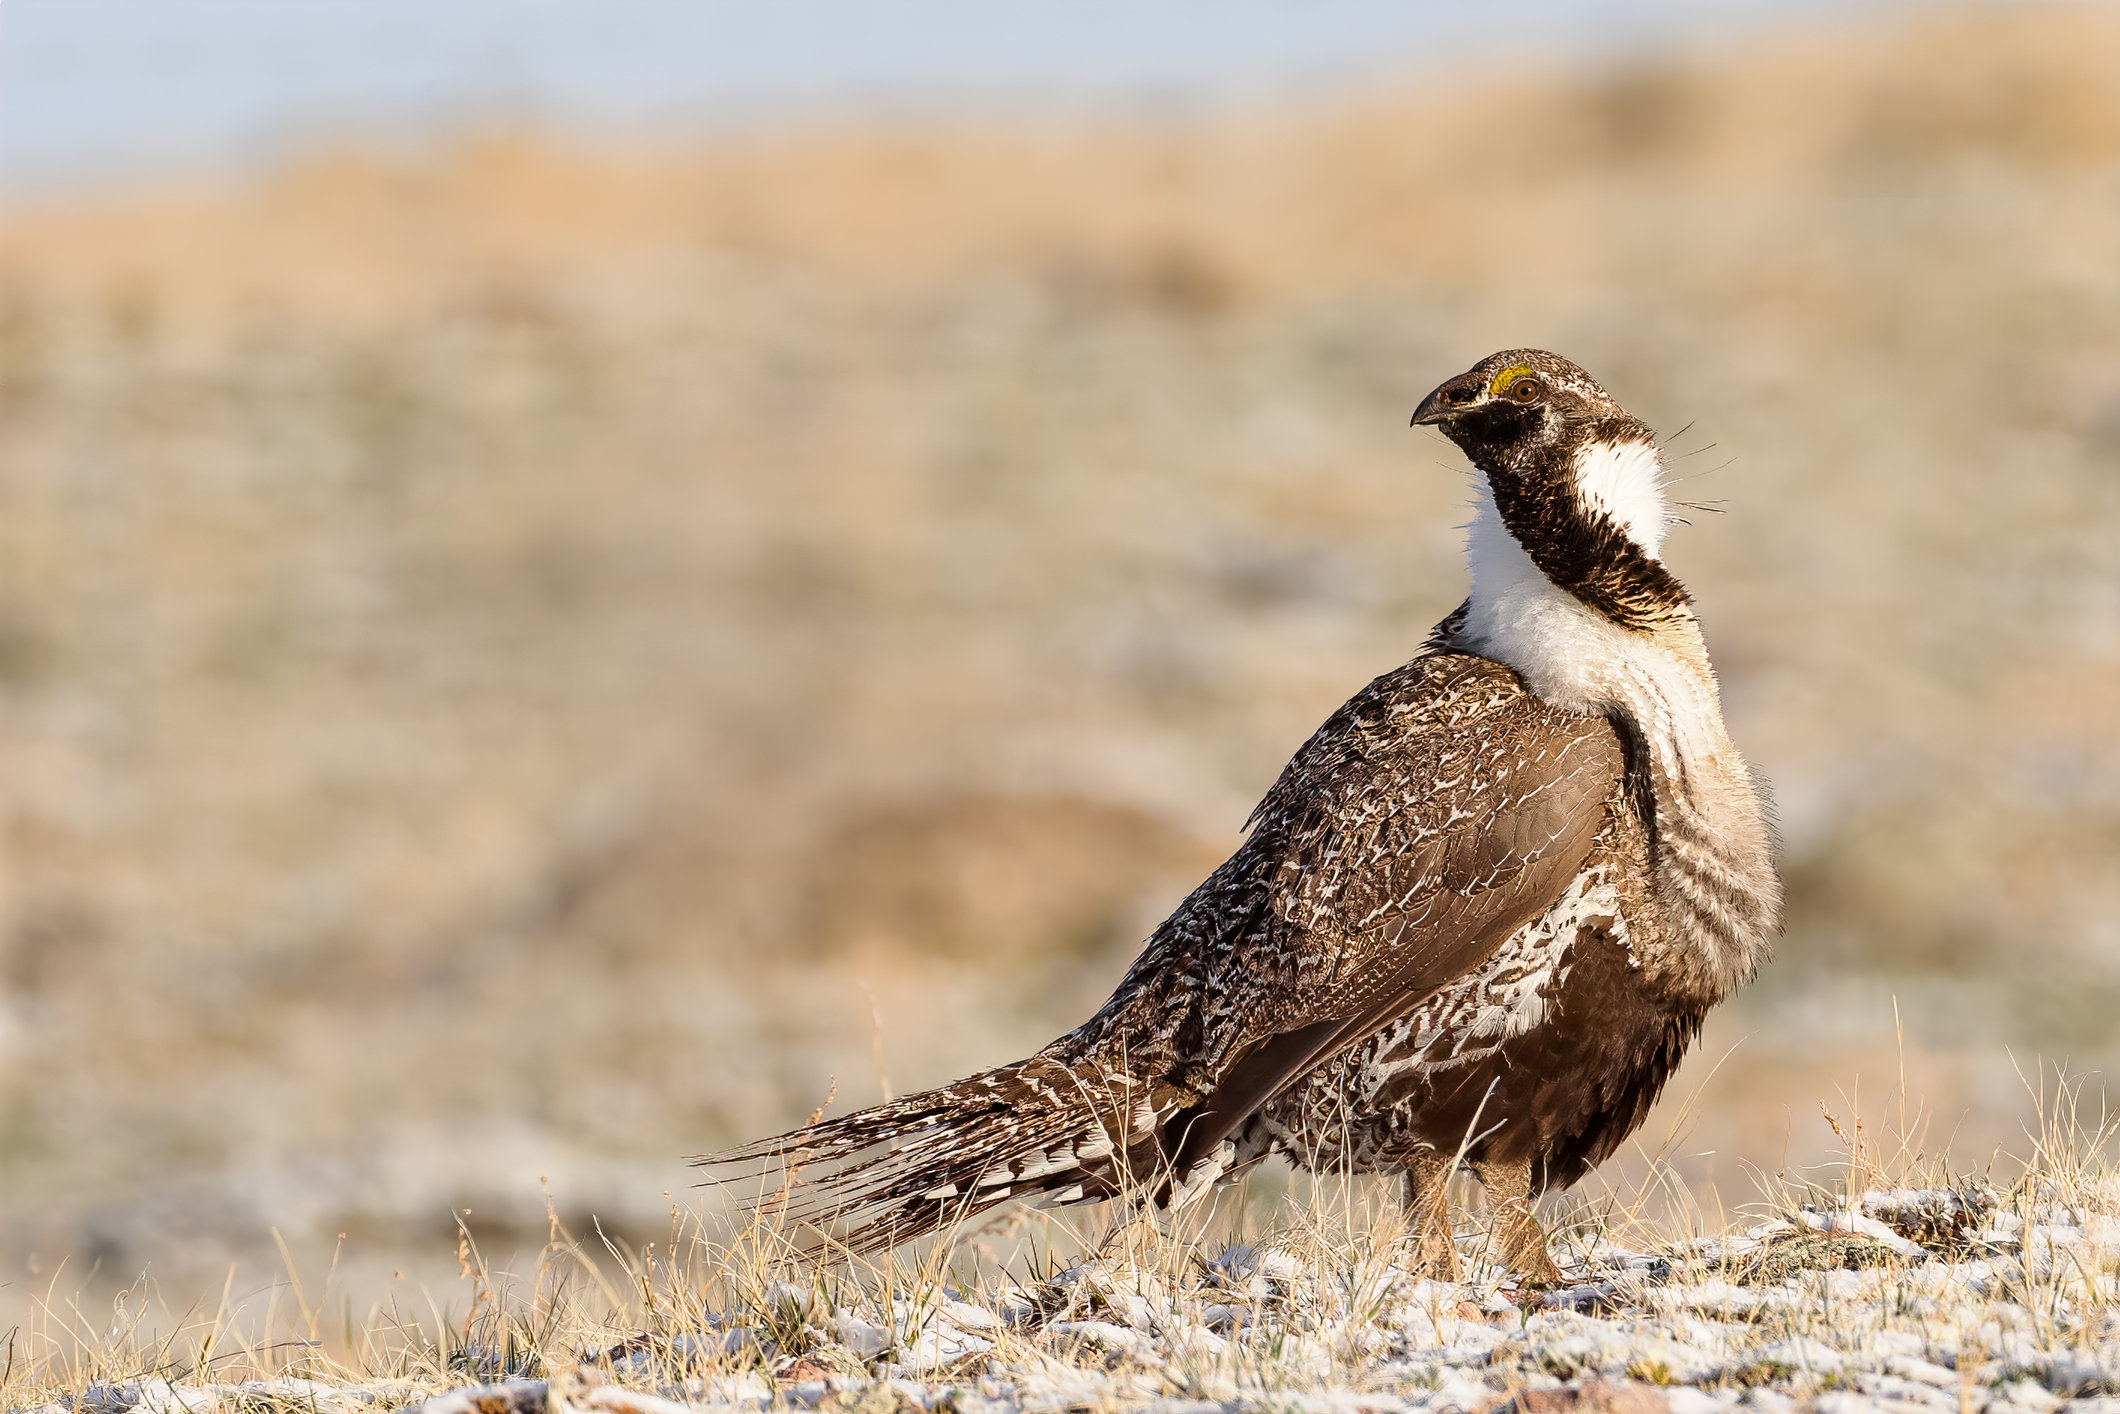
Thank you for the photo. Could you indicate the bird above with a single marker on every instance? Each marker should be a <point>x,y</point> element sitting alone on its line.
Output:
<point>1477,921</point>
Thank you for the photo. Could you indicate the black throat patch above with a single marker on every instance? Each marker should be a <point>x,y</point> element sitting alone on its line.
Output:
<point>1530,467</point>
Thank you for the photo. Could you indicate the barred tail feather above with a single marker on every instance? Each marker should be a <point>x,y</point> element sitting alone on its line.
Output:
<point>909,1167</point>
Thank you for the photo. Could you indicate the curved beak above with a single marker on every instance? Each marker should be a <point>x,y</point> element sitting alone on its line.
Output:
<point>1455,398</point>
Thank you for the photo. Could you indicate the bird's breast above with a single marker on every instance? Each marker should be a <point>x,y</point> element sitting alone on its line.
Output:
<point>1512,993</point>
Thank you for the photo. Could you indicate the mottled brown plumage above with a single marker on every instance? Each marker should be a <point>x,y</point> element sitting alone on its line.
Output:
<point>1485,905</point>
<point>1538,1063</point>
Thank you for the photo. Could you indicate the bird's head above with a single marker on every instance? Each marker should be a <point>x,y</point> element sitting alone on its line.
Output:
<point>1576,480</point>
<point>1509,407</point>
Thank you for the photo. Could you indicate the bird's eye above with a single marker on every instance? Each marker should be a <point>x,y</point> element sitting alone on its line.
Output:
<point>1527,390</point>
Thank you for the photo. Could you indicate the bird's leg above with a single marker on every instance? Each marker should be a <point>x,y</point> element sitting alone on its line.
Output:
<point>1516,1231</point>
<point>1426,1198</point>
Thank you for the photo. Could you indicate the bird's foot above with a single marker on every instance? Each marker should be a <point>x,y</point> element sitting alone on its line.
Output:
<point>1523,1248</point>
<point>1426,1196</point>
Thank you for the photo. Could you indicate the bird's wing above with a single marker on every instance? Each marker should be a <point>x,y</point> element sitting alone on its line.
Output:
<point>1439,812</point>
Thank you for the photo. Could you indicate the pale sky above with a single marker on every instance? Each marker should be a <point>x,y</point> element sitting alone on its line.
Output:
<point>98,89</point>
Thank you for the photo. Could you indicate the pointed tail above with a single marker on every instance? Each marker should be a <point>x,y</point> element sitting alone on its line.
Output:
<point>900,1170</point>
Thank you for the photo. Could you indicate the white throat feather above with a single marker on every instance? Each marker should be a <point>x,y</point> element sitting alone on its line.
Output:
<point>1568,653</point>
<point>1626,482</point>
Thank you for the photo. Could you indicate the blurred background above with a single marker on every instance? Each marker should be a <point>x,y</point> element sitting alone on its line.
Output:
<point>577,578</point>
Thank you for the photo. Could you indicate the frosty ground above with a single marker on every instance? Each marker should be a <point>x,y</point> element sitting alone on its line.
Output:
<point>1964,1298</point>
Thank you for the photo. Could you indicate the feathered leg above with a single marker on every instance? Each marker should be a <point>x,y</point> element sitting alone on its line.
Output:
<point>1516,1231</point>
<point>1426,1200</point>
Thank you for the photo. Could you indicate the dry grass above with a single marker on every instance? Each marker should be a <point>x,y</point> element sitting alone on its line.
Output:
<point>1303,1300</point>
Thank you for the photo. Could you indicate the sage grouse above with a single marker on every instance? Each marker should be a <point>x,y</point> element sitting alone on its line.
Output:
<point>1480,916</point>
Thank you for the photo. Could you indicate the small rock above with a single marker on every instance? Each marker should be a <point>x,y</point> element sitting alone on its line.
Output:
<point>2075,1372</point>
<point>1799,1355</point>
<point>967,1317</point>
<point>105,1398</point>
<point>507,1397</point>
<point>1664,1361</point>
<point>2024,1394</point>
<point>1083,1274</point>
<point>1103,1334</point>
<point>162,1397</point>
<point>824,1363</point>
<point>1909,1367</point>
<point>1684,1399</point>
<point>1594,1397</point>
<point>1825,1251</point>
<point>1578,1354</point>
<point>1195,1340</point>
<point>864,1338</point>
<point>941,1346</point>
<point>1861,1225</point>
<point>1014,1305</point>
<point>611,1399</point>
<point>1933,1217</point>
<point>1907,1392</point>
<point>1261,1273</point>
<point>748,1388</point>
